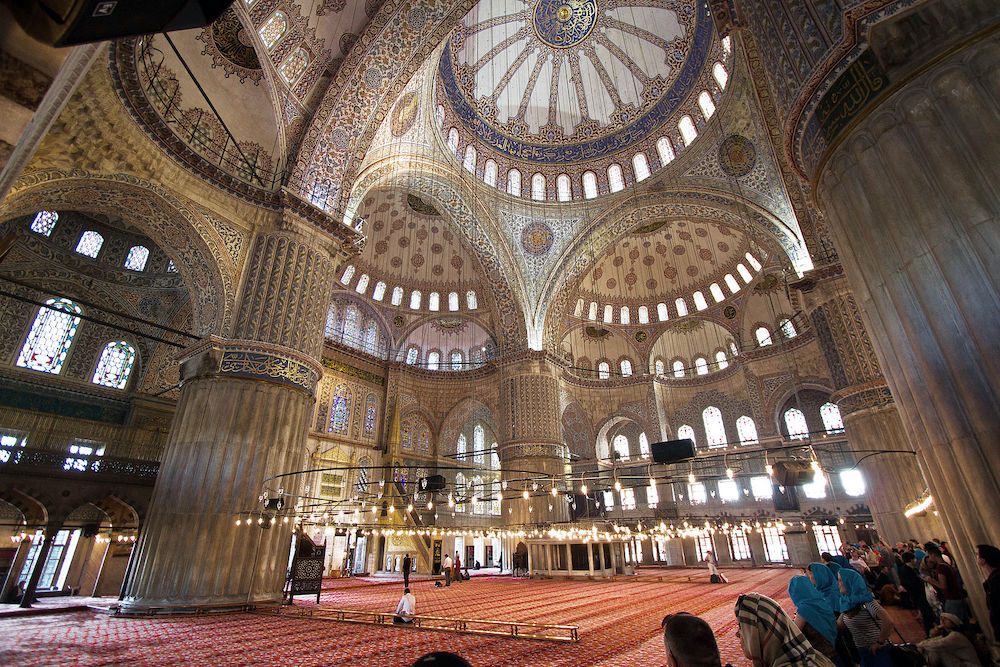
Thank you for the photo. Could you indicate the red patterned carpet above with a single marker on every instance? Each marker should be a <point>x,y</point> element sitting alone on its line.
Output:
<point>619,625</point>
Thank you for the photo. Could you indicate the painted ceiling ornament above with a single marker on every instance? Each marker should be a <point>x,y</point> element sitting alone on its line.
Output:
<point>649,227</point>
<point>231,48</point>
<point>404,114</point>
<point>564,23</point>
<point>737,156</point>
<point>536,238</point>
<point>641,336</point>
<point>595,332</point>
<point>398,321</point>
<point>418,205</point>
<point>689,326</point>
<point>450,325</point>
<point>767,283</point>
<point>729,312</point>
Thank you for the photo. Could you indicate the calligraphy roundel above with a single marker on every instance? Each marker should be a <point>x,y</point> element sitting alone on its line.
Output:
<point>737,155</point>
<point>564,23</point>
<point>403,114</point>
<point>536,239</point>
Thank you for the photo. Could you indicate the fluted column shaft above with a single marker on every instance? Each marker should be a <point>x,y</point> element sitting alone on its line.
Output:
<point>911,197</point>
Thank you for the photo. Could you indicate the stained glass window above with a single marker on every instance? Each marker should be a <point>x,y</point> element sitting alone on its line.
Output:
<point>628,498</point>
<point>415,300</point>
<point>538,187</point>
<point>348,274</point>
<point>136,259</point>
<point>411,355</point>
<point>697,493</point>
<point>379,291</point>
<point>51,334</point>
<point>362,285</point>
<point>686,432</point>
<point>514,182</point>
<point>589,185</point>
<point>84,455</point>
<point>115,365</point>
<point>720,74</point>
<point>453,139</point>
<point>796,423</point>
<point>661,312</point>
<point>171,268</point>
<point>340,413</point>
<point>643,445</point>
<point>746,429</point>
<point>9,443</point>
<point>604,370</point>
<point>626,368</point>
<point>272,29</point>
<point>716,292</point>
<point>331,321</point>
<point>434,361</point>
<point>720,360</point>
<point>479,444</point>
<point>699,300</point>
<point>732,349</point>
<point>433,302</point>
<point>44,222</point>
<point>643,314</point>
<point>361,482</point>
<point>763,337</point>
<point>470,159</point>
<point>352,326</point>
<point>609,314</point>
<point>616,180</point>
<point>679,370</point>
<point>563,191</point>
<point>494,457</point>
<point>397,295</point>
<point>715,431</point>
<point>460,447</point>
<point>665,151</point>
<point>787,328</point>
<point>495,502</point>
<point>688,131</point>
<point>371,411</point>
<point>453,301</point>
<point>658,366</point>
<point>706,104</point>
<point>294,65</point>
<point>592,311</point>
<point>370,335</point>
<point>701,366</point>
<point>470,300</point>
<point>423,437</point>
<point>652,496</point>
<point>456,361</point>
<point>406,434</point>
<point>731,283</point>
<point>625,315</point>
<point>831,418</point>
<point>640,166</point>
<point>490,173</point>
<point>753,261</point>
<point>620,445</point>
<point>681,305</point>
<point>460,491</point>
<point>744,273</point>
<point>90,243</point>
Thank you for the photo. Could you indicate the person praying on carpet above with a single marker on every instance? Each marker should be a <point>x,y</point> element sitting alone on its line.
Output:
<point>689,641</point>
<point>813,615</point>
<point>769,637</point>
<point>948,646</point>
<point>406,609</point>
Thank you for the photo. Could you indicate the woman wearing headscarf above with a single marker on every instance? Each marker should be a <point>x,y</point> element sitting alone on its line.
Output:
<point>770,638</point>
<point>813,615</point>
<point>869,624</point>
<point>824,578</point>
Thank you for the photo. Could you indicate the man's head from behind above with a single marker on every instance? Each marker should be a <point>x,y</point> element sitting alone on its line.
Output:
<point>689,641</point>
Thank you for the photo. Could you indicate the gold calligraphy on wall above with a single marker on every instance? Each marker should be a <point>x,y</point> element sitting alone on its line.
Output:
<point>268,367</point>
<point>850,93</point>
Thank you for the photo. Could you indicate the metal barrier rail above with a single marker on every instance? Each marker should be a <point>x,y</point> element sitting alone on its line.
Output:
<point>518,629</point>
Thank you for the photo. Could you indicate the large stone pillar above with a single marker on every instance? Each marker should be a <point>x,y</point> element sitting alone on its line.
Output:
<point>242,418</point>
<point>532,446</point>
<point>871,420</point>
<point>911,197</point>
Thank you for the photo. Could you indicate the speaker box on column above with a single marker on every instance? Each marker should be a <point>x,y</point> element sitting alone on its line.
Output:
<point>672,451</point>
<point>793,473</point>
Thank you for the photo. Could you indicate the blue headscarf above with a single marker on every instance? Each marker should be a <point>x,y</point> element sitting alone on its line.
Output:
<point>825,580</point>
<point>813,607</point>
<point>835,568</point>
<point>857,591</point>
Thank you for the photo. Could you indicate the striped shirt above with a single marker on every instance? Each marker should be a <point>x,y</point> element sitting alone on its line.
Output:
<point>863,623</point>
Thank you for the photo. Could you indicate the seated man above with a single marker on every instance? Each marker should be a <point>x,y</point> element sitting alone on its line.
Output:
<point>689,641</point>
<point>406,608</point>
<point>948,646</point>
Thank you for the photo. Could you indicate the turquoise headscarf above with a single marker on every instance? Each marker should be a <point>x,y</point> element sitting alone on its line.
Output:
<point>813,607</point>
<point>857,591</point>
<point>825,580</point>
<point>835,568</point>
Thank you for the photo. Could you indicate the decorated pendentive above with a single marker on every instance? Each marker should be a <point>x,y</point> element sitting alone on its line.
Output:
<point>737,156</point>
<point>536,238</point>
<point>404,114</point>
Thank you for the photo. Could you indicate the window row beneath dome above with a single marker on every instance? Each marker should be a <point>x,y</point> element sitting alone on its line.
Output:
<point>90,243</point>
<point>680,305</point>
<point>398,292</point>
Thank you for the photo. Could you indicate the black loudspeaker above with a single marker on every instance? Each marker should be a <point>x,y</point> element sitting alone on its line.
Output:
<point>787,500</point>
<point>672,451</point>
<point>432,483</point>
<point>274,504</point>
<point>91,529</point>
<point>792,473</point>
<point>67,22</point>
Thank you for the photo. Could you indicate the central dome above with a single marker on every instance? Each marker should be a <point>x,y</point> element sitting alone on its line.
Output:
<point>562,24</point>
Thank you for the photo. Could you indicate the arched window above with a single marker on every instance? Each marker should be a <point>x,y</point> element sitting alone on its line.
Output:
<point>495,502</point>
<point>340,412</point>
<point>538,187</point>
<point>625,315</point>
<point>763,337</point>
<point>295,64</point>
<point>715,431</point>
<point>479,444</point>
<point>514,182</point>
<point>640,166</point>
<point>433,301</point>
<point>706,104</point>
<point>362,285</point>
<point>457,363</point>
<point>688,131</point>
<point>744,274</point>
<point>460,491</point>
<point>616,179</point>
<point>137,257</point>
<point>732,349</point>
<point>686,432</point>
<point>371,333</point>
<point>658,366</point>
<point>592,311</point>
<point>44,222</point>
<point>479,506</point>
<point>720,74</point>
<point>361,480</point>
<point>439,115</point>
<point>490,172</point>
<point>589,185</point>
<point>453,301</point>
<point>716,292</point>
<point>731,283</point>
<point>397,296</point>
<point>626,368</point>
<point>643,315</point>
<point>412,354</point>
<point>415,300</point>
<point>643,445</point>
<point>752,261</point>
<point>379,291</point>
<point>661,312</point>
<point>348,274</point>
<point>652,495</point>
<point>699,301</point>
<point>746,429</point>
<point>727,44</point>
<point>433,360</point>
<point>681,306</point>
<point>352,326</point>
<point>564,191</point>
<point>787,328</point>
<point>620,445</point>
<point>470,159</point>
<point>720,360</point>
<point>470,300</point>
<point>853,482</point>
<point>604,370</point>
<point>679,370</point>
<point>796,423</point>
<point>701,365</point>
<point>494,459</point>
<point>115,365</point>
<point>578,310</point>
<point>461,448</point>
<point>665,151</point>
<point>51,335</point>
<point>609,314</point>
<point>331,321</point>
<point>832,421</point>
<point>272,29</point>
<point>90,243</point>
<point>453,140</point>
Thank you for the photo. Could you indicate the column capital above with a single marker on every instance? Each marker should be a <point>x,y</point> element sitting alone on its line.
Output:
<point>318,228</point>
<point>221,357</point>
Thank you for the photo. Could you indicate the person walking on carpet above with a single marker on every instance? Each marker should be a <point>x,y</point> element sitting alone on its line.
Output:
<point>716,577</point>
